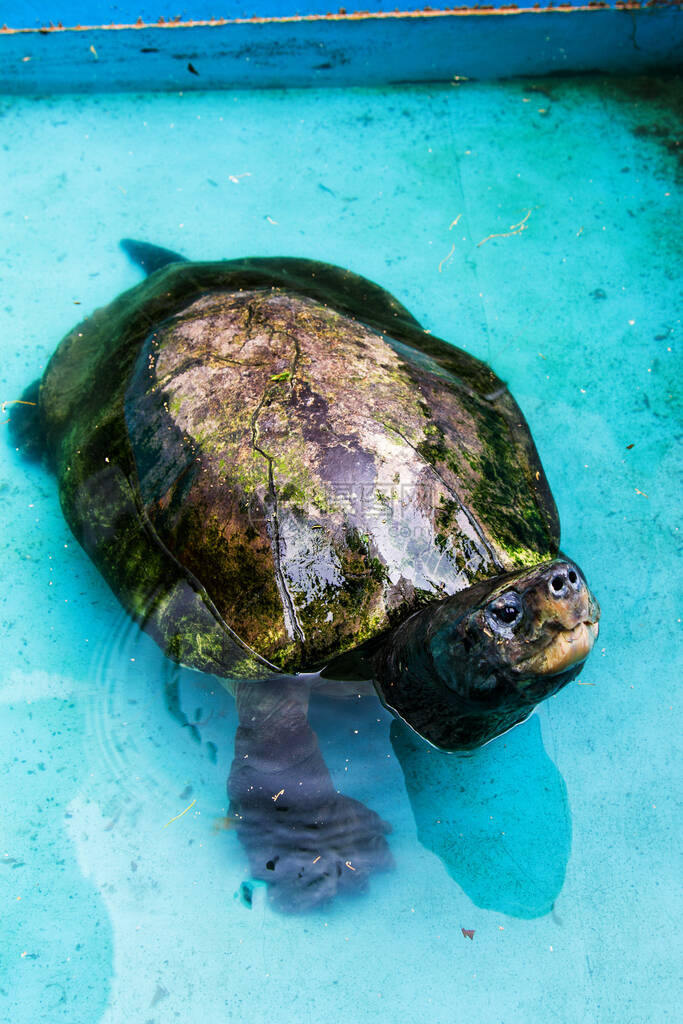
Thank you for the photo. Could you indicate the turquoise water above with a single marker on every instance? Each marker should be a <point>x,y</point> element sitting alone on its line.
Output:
<point>556,844</point>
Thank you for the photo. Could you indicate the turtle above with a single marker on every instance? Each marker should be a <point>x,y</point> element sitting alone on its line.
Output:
<point>292,485</point>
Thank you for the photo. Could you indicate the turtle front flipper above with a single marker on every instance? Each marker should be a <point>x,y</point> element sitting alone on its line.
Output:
<point>301,836</point>
<point>149,257</point>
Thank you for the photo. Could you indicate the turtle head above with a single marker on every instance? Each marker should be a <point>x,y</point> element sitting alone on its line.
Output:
<point>470,667</point>
<point>526,633</point>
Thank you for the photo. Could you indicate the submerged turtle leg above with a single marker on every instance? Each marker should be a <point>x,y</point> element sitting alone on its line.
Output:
<point>26,426</point>
<point>302,836</point>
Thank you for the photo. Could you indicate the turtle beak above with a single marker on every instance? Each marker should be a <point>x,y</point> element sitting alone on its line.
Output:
<point>567,615</point>
<point>569,648</point>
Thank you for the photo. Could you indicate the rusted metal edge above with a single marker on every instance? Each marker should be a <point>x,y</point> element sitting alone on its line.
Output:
<point>428,12</point>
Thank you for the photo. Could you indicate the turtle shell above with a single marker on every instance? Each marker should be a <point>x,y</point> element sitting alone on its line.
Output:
<point>272,462</point>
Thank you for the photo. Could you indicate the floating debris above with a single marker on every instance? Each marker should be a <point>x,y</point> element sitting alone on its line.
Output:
<point>189,807</point>
<point>515,229</point>
<point>446,258</point>
<point>15,401</point>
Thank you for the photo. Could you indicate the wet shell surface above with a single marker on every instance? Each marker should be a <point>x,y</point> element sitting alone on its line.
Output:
<point>316,465</point>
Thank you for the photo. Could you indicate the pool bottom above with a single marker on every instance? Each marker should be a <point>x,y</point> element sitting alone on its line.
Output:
<point>534,223</point>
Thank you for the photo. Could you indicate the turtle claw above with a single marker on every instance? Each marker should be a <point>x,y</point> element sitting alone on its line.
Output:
<point>309,858</point>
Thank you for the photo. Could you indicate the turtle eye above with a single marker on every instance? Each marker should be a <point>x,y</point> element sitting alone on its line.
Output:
<point>505,611</point>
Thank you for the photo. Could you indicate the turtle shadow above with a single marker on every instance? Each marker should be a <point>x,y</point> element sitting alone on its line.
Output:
<point>498,819</point>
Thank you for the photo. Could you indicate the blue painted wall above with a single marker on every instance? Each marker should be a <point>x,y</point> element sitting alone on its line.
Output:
<point>35,13</point>
<point>439,46</point>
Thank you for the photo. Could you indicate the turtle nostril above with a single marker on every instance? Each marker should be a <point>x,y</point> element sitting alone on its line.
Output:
<point>557,583</point>
<point>572,576</point>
